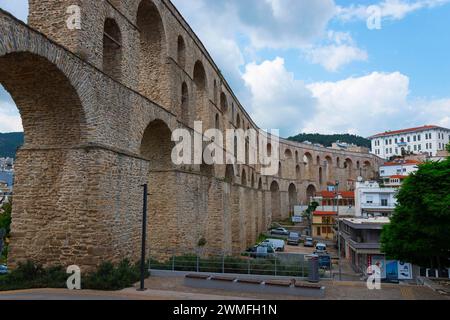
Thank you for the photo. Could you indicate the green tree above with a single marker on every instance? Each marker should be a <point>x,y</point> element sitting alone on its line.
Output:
<point>419,231</point>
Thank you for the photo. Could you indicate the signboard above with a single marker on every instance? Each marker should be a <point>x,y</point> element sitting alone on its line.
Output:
<point>297,219</point>
<point>392,270</point>
<point>404,271</point>
<point>298,210</point>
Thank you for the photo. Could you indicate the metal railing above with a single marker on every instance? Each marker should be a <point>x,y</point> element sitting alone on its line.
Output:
<point>277,265</point>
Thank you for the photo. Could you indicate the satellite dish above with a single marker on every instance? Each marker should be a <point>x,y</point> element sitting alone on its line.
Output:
<point>360,179</point>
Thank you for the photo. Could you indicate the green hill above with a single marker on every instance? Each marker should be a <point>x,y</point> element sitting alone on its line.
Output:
<point>9,143</point>
<point>327,140</point>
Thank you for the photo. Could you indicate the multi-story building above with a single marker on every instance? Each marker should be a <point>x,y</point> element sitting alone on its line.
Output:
<point>422,140</point>
<point>342,202</point>
<point>372,200</point>
<point>349,147</point>
<point>323,223</point>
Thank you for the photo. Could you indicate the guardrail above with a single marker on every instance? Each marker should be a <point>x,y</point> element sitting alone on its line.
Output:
<point>279,264</point>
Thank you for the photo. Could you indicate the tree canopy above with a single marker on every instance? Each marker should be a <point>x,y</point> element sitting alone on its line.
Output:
<point>419,231</point>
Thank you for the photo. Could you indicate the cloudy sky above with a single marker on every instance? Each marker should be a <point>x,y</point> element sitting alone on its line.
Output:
<point>316,66</point>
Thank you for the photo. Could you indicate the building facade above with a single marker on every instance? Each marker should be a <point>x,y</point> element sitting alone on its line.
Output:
<point>323,223</point>
<point>427,140</point>
<point>372,200</point>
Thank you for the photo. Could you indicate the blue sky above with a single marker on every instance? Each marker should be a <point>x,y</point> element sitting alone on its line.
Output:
<point>315,66</point>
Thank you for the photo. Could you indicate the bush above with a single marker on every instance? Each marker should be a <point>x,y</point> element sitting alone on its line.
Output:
<point>32,276</point>
<point>107,277</point>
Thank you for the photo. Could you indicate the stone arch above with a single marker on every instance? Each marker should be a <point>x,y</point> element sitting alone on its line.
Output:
<point>181,52</point>
<point>260,184</point>
<point>367,170</point>
<point>310,192</point>
<point>348,165</point>
<point>338,162</point>
<point>280,169</point>
<point>112,49</point>
<point>238,121</point>
<point>152,53</point>
<point>269,150</point>
<point>329,168</point>
<point>288,154</point>
<point>275,201</point>
<point>217,121</point>
<point>185,112</point>
<point>48,170</point>
<point>223,103</point>
<point>296,156</point>
<point>244,178</point>
<point>253,180</point>
<point>50,107</point>
<point>229,173</point>
<point>320,176</point>
<point>293,198</point>
<point>157,145</point>
<point>318,161</point>
<point>200,90</point>
<point>308,161</point>
<point>298,173</point>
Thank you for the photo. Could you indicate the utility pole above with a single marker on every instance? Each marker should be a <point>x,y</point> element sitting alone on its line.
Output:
<point>144,238</point>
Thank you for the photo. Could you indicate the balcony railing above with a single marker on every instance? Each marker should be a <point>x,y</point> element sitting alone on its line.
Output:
<point>378,205</point>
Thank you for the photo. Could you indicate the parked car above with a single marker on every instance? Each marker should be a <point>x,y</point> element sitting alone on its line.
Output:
<point>293,239</point>
<point>280,231</point>
<point>262,250</point>
<point>277,244</point>
<point>309,242</point>
<point>3,269</point>
<point>321,248</point>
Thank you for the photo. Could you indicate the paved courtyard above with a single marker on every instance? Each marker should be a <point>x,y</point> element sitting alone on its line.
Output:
<point>162,288</point>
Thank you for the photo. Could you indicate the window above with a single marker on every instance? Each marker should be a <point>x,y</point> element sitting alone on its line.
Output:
<point>419,137</point>
<point>415,138</point>
<point>409,139</point>
<point>384,202</point>
<point>369,199</point>
<point>382,171</point>
<point>419,147</point>
<point>396,140</point>
<point>415,148</point>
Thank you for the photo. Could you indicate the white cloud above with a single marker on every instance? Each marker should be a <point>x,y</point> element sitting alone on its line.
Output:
<point>390,9</point>
<point>279,101</point>
<point>10,120</point>
<point>341,51</point>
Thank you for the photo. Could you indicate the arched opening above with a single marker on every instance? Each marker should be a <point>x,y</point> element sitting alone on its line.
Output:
<point>229,174</point>
<point>152,73</point>
<point>338,162</point>
<point>293,201</point>
<point>200,89</point>
<point>280,170</point>
<point>260,185</point>
<point>298,173</point>
<point>223,103</point>
<point>247,152</point>
<point>244,178</point>
<point>329,168</point>
<point>308,161</point>
<point>288,154</point>
<point>320,176</point>
<point>296,156</point>
<point>238,121</point>
<point>253,180</point>
<point>367,170</point>
<point>215,92</point>
<point>157,146</point>
<point>269,150</point>
<point>112,50</point>
<point>310,192</point>
<point>185,114</point>
<point>349,166</point>
<point>217,121</point>
<point>318,161</point>
<point>181,52</point>
<point>275,201</point>
<point>49,167</point>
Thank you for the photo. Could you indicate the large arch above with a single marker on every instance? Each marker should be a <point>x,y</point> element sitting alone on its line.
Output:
<point>152,53</point>
<point>329,175</point>
<point>275,201</point>
<point>50,168</point>
<point>293,198</point>
<point>310,192</point>
<point>309,165</point>
<point>201,96</point>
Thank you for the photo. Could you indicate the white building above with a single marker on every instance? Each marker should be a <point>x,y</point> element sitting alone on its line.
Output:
<point>427,140</point>
<point>398,167</point>
<point>371,200</point>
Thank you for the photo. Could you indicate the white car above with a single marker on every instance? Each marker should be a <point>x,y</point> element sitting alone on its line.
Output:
<point>277,244</point>
<point>321,248</point>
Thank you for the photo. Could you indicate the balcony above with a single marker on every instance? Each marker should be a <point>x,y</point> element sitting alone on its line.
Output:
<point>378,205</point>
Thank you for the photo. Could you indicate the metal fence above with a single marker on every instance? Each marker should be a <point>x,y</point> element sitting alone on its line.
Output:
<point>279,264</point>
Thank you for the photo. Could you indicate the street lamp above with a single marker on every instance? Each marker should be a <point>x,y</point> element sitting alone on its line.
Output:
<point>338,229</point>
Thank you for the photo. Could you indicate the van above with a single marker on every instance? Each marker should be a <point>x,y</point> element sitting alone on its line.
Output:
<point>277,244</point>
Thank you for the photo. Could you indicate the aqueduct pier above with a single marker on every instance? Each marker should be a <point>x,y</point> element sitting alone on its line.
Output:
<point>98,106</point>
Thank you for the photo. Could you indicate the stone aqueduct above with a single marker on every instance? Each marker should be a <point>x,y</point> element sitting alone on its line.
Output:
<point>98,106</point>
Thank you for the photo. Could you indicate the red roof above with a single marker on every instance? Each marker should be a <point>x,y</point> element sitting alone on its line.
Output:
<point>332,195</point>
<point>402,163</point>
<point>325,213</point>
<point>398,177</point>
<point>391,133</point>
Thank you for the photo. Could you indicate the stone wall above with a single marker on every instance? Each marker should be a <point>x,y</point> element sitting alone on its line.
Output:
<point>93,137</point>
